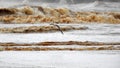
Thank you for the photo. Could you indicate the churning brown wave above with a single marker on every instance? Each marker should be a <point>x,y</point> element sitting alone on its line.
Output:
<point>45,46</point>
<point>38,14</point>
<point>39,29</point>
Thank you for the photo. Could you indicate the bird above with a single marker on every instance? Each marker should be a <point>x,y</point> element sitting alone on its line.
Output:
<point>57,27</point>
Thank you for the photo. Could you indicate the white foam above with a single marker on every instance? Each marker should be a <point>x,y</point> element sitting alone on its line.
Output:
<point>60,59</point>
<point>93,6</point>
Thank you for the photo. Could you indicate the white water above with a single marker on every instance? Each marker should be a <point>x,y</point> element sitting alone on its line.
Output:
<point>25,2</point>
<point>96,32</point>
<point>63,59</point>
<point>63,2</point>
<point>60,59</point>
<point>92,6</point>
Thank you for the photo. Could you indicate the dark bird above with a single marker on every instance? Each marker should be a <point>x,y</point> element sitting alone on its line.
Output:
<point>57,27</point>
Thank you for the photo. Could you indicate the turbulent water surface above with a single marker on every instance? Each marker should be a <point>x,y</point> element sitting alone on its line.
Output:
<point>58,59</point>
<point>96,32</point>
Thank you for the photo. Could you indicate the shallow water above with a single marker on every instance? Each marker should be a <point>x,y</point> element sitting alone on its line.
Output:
<point>60,59</point>
<point>95,33</point>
